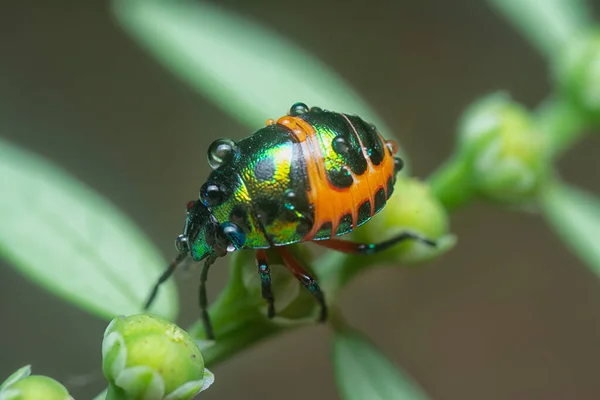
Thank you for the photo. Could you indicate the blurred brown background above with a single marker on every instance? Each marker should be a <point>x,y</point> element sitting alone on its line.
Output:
<point>508,314</point>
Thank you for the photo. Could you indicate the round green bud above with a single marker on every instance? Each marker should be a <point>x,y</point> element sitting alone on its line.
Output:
<point>577,73</point>
<point>412,208</point>
<point>23,386</point>
<point>146,357</point>
<point>505,151</point>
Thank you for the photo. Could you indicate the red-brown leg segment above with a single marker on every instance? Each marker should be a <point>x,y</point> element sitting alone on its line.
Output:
<point>308,281</point>
<point>265,278</point>
<point>364,248</point>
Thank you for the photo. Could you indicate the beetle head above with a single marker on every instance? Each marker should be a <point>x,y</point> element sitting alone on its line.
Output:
<point>202,236</point>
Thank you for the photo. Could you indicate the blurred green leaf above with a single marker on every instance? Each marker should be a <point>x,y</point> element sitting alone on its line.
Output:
<point>21,373</point>
<point>363,372</point>
<point>70,240</point>
<point>548,24</point>
<point>575,217</point>
<point>250,72</point>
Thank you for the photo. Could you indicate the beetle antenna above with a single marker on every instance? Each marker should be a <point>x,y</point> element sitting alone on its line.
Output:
<point>165,275</point>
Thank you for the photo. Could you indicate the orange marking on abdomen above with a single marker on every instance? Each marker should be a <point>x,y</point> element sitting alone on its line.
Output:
<point>298,126</point>
<point>331,203</point>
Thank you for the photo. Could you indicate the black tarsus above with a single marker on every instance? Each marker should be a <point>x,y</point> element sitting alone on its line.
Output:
<point>307,281</point>
<point>264,273</point>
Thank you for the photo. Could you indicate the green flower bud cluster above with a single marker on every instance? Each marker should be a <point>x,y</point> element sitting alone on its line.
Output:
<point>503,149</point>
<point>23,386</point>
<point>148,358</point>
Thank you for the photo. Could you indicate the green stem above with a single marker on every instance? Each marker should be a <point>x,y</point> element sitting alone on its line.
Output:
<point>451,183</point>
<point>238,319</point>
<point>562,123</point>
<point>245,333</point>
<point>237,323</point>
<point>548,24</point>
<point>115,393</point>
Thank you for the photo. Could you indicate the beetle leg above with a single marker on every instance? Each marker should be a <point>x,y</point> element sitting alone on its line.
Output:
<point>265,278</point>
<point>346,246</point>
<point>203,300</point>
<point>164,277</point>
<point>304,277</point>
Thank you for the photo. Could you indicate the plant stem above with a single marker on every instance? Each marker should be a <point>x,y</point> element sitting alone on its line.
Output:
<point>451,183</point>
<point>562,123</point>
<point>548,24</point>
<point>115,393</point>
<point>246,333</point>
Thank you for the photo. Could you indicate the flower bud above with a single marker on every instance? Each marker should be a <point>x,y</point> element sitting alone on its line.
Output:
<point>577,73</point>
<point>23,386</point>
<point>412,208</point>
<point>505,151</point>
<point>146,357</point>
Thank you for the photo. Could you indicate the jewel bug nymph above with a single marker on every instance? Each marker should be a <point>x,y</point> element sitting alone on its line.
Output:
<point>312,175</point>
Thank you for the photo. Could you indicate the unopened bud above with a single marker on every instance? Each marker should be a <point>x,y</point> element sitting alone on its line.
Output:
<point>23,386</point>
<point>146,357</point>
<point>505,151</point>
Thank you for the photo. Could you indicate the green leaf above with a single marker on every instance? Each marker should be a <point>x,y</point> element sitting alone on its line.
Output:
<point>363,372</point>
<point>21,373</point>
<point>68,239</point>
<point>548,24</point>
<point>250,72</point>
<point>575,217</point>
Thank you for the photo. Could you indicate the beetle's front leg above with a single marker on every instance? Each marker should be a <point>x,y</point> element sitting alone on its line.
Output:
<point>264,272</point>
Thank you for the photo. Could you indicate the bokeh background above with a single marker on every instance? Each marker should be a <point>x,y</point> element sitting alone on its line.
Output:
<point>507,314</point>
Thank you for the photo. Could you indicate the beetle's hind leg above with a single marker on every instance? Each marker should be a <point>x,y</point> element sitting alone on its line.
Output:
<point>346,246</point>
<point>304,277</point>
<point>264,272</point>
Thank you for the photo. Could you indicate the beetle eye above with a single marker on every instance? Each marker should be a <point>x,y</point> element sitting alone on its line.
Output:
<point>181,243</point>
<point>190,204</point>
<point>220,152</point>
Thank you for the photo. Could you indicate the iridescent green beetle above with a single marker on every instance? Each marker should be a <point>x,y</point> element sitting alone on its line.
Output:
<point>312,175</point>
